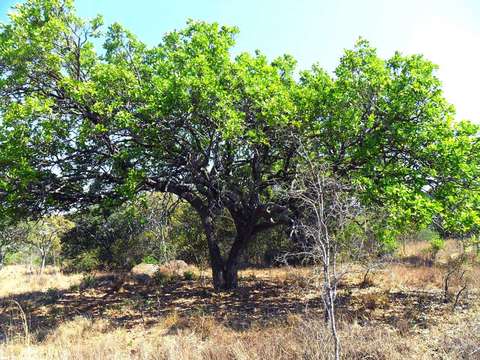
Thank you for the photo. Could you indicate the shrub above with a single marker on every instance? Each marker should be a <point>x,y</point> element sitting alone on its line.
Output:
<point>189,275</point>
<point>149,259</point>
<point>51,296</point>
<point>74,288</point>
<point>15,258</point>
<point>427,235</point>
<point>436,244</point>
<point>87,261</point>
<point>88,281</point>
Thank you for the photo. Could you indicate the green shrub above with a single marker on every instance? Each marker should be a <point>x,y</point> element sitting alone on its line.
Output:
<point>74,288</point>
<point>15,258</point>
<point>51,296</point>
<point>189,275</point>
<point>436,244</point>
<point>87,261</point>
<point>427,235</point>
<point>149,259</point>
<point>88,281</point>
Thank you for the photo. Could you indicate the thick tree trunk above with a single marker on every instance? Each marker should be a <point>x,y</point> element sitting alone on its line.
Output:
<point>216,260</point>
<point>225,277</point>
<point>232,263</point>
<point>225,271</point>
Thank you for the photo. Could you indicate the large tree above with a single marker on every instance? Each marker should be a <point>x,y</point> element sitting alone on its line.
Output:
<point>182,117</point>
<point>84,126</point>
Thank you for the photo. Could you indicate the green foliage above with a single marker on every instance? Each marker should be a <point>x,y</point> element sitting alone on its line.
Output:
<point>149,259</point>
<point>436,244</point>
<point>87,261</point>
<point>11,239</point>
<point>75,288</point>
<point>51,296</point>
<point>44,236</point>
<point>79,128</point>
<point>189,275</point>
<point>427,235</point>
<point>385,125</point>
<point>88,281</point>
<point>14,258</point>
<point>137,232</point>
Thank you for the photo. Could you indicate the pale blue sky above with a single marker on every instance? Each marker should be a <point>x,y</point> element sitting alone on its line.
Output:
<point>446,31</point>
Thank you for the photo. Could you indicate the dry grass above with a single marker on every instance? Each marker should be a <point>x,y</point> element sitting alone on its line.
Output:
<point>204,338</point>
<point>276,315</point>
<point>17,279</point>
<point>400,276</point>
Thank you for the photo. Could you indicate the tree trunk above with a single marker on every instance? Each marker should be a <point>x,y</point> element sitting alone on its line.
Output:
<point>224,277</point>
<point>216,260</point>
<point>231,275</point>
<point>224,273</point>
<point>232,265</point>
<point>44,259</point>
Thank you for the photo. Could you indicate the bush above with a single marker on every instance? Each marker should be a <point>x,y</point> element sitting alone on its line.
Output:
<point>15,258</point>
<point>436,244</point>
<point>160,278</point>
<point>88,281</point>
<point>427,235</point>
<point>149,259</point>
<point>84,262</point>
<point>189,275</point>
<point>51,296</point>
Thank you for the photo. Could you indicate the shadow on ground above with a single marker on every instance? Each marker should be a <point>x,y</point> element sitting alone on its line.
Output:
<point>258,301</point>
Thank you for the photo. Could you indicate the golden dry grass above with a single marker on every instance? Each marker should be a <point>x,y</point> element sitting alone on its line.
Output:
<point>18,279</point>
<point>276,315</point>
<point>204,338</point>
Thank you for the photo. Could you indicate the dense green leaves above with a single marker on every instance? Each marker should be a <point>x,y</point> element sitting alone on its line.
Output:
<point>84,125</point>
<point>386,125</point>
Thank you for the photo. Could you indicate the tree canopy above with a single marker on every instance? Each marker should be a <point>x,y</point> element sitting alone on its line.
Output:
<point>82,125</point>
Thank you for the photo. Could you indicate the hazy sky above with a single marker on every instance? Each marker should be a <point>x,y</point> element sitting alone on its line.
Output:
<point>445,31</point>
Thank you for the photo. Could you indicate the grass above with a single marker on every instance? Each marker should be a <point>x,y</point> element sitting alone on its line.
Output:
<point>276,314</point>
<point>17,279</point>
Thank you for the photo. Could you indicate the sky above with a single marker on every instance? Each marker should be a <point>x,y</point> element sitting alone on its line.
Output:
<point>447,32</point>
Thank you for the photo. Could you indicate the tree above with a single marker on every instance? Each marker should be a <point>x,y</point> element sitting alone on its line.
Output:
<point>44,236</point>
<point>386,125</point>
<point>10,238</point>
<point>81,127</point>
<point>328,206</point>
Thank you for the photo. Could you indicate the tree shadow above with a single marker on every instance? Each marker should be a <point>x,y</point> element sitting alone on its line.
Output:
<point>258,301</point>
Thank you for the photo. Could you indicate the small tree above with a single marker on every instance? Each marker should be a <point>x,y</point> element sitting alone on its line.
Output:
<point>157,211</point>
<point>455,273</point>
<point>327,206</point>
<point>10,237</point>
<point>44,236</point>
